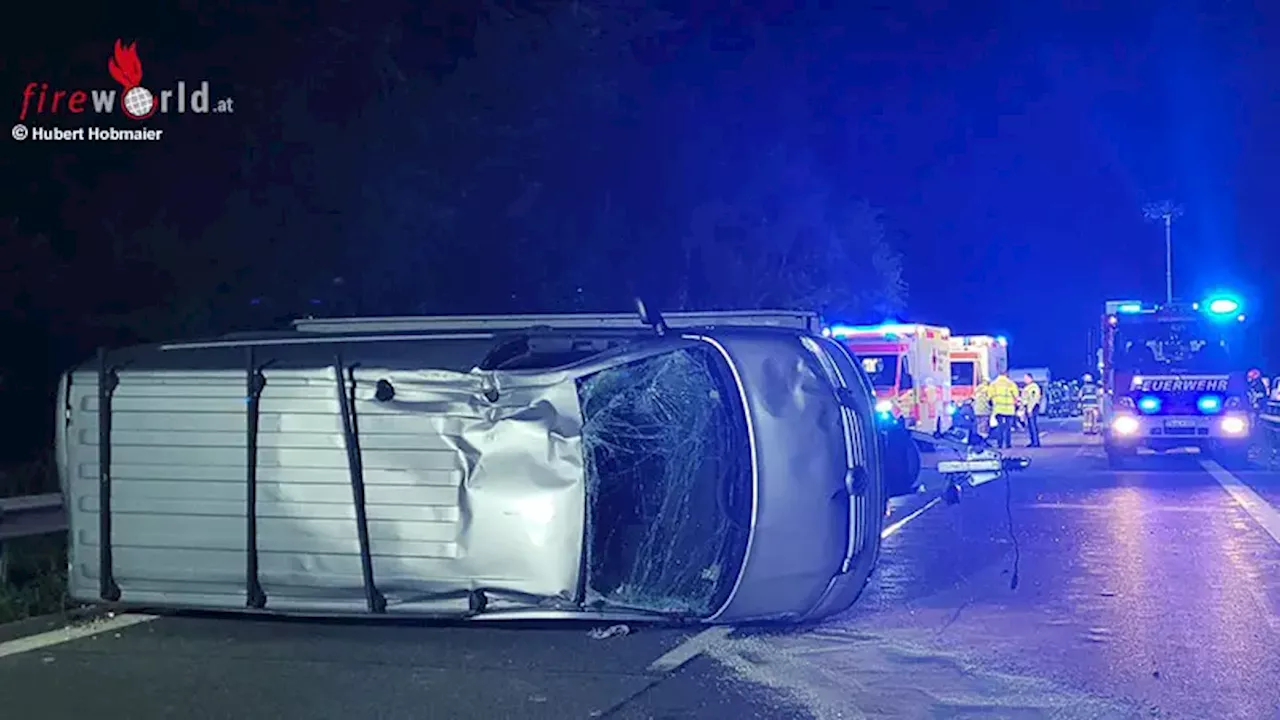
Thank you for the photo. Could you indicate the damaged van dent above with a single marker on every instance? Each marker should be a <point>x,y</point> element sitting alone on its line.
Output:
<point>725,470</point>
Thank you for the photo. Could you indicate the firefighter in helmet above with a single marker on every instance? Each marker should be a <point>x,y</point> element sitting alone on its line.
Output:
<point>1089,403</point>
<point>1257,389</point>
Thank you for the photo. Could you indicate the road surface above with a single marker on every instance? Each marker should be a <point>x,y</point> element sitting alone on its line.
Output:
<point>1151,592</point>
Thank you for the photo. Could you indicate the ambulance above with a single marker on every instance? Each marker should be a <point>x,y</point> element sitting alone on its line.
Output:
<point>910,367</point>
<point>975,359</point>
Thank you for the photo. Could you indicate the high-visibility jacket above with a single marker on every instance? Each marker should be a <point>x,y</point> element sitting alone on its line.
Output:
<point>1031,396</point>
<point>982,399</point>
<point>1004,396</point>
<point>1089,395</point>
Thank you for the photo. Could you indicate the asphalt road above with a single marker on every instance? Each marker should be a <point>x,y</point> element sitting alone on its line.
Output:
<point>1151,592</point>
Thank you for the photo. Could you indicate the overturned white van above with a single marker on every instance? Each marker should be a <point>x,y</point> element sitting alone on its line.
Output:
<point>725,468</point>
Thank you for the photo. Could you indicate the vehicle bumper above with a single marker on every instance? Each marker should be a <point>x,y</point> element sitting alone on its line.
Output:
<point>1168,433</point>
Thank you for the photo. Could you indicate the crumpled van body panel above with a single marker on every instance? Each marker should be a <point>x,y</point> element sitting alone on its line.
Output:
<point>461,492</point>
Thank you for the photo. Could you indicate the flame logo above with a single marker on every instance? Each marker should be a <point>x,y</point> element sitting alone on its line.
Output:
<point>125,66</point>
<point>136,101</point>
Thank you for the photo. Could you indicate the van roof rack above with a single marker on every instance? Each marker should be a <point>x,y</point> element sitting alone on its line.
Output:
<point>800,320</point>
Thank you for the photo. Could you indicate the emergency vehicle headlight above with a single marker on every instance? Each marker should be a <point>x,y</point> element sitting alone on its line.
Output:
<point>1149,404</point>
<point>884,406</point>
<point>1209,404</point>
<point>1234,425</point>
<point>1125,425</point>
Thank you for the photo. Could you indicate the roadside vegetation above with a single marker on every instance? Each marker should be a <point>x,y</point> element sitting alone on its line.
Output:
<point>34,578</point>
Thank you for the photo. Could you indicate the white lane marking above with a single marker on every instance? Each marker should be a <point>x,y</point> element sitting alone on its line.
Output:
<point>896,526</point>
<point>1260,510</point>
<point>1262,513</point>
<point>676,657</point>
<point>71,632</point>
<point>1101,507</point>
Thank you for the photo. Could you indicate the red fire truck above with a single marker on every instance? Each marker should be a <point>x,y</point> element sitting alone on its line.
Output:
<point>1173,377</point>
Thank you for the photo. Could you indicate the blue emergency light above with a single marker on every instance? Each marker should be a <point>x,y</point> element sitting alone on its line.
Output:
<point>1149,404</point>
<point>1209,404</point>
<point>1223,306</point>
<point>1129,308</point>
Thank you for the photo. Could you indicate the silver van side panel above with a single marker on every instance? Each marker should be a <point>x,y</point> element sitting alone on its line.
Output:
<point>463,491</point>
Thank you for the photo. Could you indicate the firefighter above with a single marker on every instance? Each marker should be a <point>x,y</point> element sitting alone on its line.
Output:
<point>982,407</point>
<point>1089,404</point>
<point>1257,389</point>
<point>1031,395</point>
<point>1004,407</point>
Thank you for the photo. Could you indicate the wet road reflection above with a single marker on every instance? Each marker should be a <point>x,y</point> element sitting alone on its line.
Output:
<point>1144,593</point>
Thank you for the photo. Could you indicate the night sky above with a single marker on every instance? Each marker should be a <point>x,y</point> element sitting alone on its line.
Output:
<point>1011,146</point>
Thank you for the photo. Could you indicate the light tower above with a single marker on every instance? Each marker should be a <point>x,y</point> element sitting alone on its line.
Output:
<point>1165,212</point>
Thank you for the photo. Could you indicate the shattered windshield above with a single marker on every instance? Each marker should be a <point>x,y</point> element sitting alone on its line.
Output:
<point>1158,347</point>
<point>881,369</point>
<point>669,480</point>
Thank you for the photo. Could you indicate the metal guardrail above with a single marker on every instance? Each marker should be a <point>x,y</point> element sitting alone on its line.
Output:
<point>31,515</point>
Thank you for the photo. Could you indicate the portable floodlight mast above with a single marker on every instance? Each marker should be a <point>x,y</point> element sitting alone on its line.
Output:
<point>1165,212</point>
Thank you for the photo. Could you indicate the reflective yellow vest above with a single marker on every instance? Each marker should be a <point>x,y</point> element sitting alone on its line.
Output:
<point>1004,396</point>
<point>982,399</point>
<point>1031,396</point>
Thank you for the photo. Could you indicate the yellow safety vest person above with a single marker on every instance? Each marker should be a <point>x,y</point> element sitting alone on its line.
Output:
<point>1004,396</point>
<point>982,399</point>
<point>1031,396</point>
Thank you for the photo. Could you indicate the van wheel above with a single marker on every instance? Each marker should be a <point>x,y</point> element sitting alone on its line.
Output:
<point>902,463</point>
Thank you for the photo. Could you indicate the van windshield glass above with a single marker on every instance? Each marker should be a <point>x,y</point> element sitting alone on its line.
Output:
<point>881,369</point>
<point>668,468</point>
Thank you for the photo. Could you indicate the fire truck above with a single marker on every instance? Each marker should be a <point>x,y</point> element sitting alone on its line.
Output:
<point>910,367</point>
<point>1173,377</point>
<point>975,359</point>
